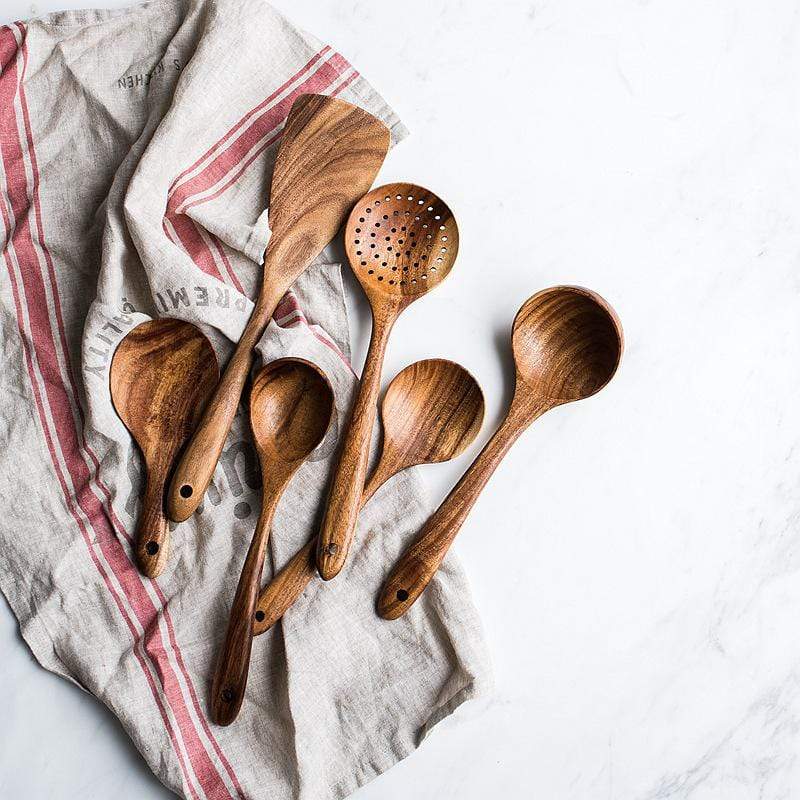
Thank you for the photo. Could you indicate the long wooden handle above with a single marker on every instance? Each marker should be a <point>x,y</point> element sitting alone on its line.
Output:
<point>283,591</point>
<point>230,678</point>
<point>344,499</point>
<point>152,533</point>
<point>419,563</point>
<point>196,466</point>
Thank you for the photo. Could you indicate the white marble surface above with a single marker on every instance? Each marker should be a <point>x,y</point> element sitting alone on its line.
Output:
<point>635,558</point>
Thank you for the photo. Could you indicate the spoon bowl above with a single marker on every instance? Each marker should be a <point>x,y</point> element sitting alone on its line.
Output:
<point>291,405</point>
<point>401,241</point>
<point>567,343</point>
<point>431,412</point>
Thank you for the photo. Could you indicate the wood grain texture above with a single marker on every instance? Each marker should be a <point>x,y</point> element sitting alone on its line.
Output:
<point>567,344</point>
<point>431,412</point>
<point>329,155</point>
<point>291,406</point>
<point>161,375</point>
<point>401,241</point>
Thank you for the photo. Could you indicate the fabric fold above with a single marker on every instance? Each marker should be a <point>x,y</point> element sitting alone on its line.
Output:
<point>136,149</point>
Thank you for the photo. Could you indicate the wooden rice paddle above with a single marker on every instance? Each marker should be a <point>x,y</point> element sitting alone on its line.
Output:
<point>432,412</point>
<point>401,241</point>
<point>329,155</point>
<point>290,409</point>
<point>162,373</point>
<point>567,344</point>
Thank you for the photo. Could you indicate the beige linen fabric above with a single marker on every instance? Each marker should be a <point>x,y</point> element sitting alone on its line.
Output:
<point>135,153</point>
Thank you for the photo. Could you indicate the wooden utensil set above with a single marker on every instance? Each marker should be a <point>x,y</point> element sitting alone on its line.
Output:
<point>401,241</point>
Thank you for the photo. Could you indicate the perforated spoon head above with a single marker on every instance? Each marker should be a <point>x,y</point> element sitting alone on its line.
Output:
<point>431,412</point>
<point>291,405</point>
<point>401,241</point>
<point>567,344</point>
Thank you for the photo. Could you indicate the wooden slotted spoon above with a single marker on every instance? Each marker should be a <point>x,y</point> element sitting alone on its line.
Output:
<point>290,410</point>
<point>329,155</point>
<point>401,241</point>
<point>432,411</point>
<point>161,375</point>
<point>567,344</point>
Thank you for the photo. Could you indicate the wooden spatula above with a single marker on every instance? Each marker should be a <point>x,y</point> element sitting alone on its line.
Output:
<point>330,153</point>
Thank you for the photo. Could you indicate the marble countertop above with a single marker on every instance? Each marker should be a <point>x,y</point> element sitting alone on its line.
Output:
<point>634,558</point>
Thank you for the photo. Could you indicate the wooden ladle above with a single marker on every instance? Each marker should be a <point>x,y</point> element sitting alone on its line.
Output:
<point>567,344</point>
<point>291,405</point>
<point>432,411</point>
<point>161,375</point>
<point>401,241</point>
<point>329,155</point>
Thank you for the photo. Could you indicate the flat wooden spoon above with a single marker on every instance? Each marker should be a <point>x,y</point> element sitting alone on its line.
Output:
<point>401,241</point>
<point>329,155</point>
<point>161,375</point>
<point>291,405</point>
<point>432,411</point>
<point>567,344</point>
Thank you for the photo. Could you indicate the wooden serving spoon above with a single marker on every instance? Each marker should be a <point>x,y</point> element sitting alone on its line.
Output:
<point>291,405</point>
<point>329,155</point>
<point>161,375</point>
<point>432,411</point>
<point>567,344</point>
<point>401,241</point>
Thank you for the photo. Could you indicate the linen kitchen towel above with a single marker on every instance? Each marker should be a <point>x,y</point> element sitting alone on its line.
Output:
<point>135,156</point>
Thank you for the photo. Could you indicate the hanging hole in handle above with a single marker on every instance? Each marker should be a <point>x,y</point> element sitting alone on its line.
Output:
<point>186,490</point>
<point>260,615</point>
<point>228,695</point>
<point>402,595</point>
<point>151,548</point>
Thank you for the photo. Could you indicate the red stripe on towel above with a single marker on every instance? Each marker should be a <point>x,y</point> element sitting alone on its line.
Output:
<point>262,132</point>
<point>249,115</point>
<point>60,405</point>
<point>8,82</point>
